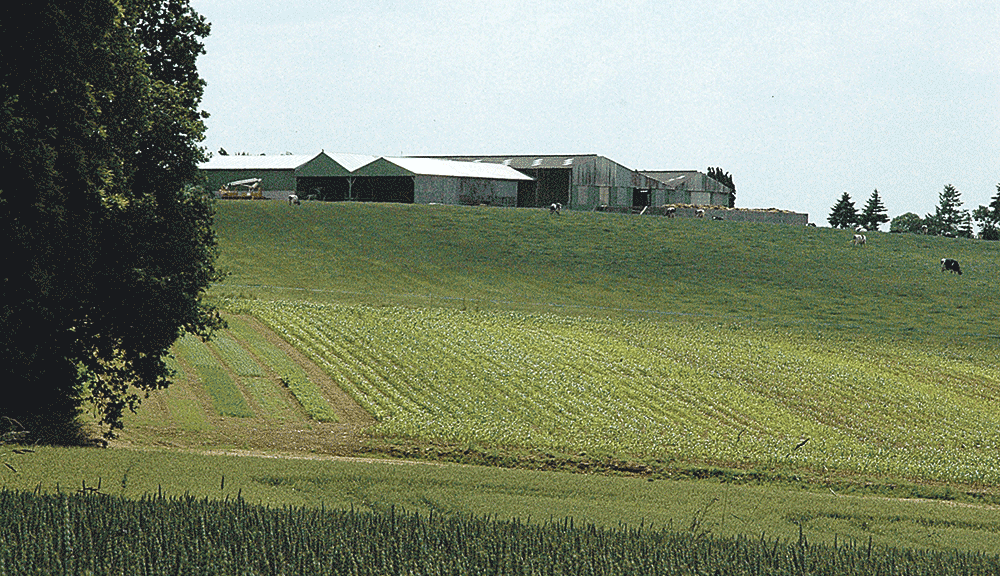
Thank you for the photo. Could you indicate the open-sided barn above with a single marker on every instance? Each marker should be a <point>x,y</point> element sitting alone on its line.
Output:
<point>430,180</point>
<point>283,174</point>
<point>369,178</point>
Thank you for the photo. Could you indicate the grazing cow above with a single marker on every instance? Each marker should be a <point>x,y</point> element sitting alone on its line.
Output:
<point>951,264</point>
<point>555,208</point>
<point>717,218</point>
<point>671,212</point>
<point>699,213</point>
<point>860,240</point>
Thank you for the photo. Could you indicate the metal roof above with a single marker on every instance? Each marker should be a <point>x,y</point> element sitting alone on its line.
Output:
<point>349,162</point>
<point>279,162</point>
<point>352,161</point>
<point>526,162</point>
<point>674,178</point>
<point>455,168</point>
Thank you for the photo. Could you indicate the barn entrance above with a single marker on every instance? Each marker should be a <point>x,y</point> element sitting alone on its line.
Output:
<point>383,189</point>
<point>550,186</point>
<point>640,197</point>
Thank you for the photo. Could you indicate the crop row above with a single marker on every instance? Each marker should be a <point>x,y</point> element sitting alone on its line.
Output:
<point>305,391</point>
<point>651,388</point>
<point>61,534</point>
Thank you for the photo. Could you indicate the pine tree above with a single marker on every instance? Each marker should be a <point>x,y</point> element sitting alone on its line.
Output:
<point>874,214</point>
<point>844,213</point>
<point>948,216</point>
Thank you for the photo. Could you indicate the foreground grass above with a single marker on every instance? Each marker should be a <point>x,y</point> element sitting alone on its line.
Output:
<point>90,534</point>
<point>697,507</point>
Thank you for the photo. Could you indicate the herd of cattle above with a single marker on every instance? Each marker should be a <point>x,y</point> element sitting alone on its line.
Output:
<point>947,264</point>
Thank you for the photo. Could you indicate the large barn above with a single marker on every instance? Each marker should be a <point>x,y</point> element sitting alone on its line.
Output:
<point>369,178</point>
<point>587,181</point>
<point>283,174</point>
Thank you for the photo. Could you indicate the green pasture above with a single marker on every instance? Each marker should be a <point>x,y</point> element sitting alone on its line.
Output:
<point>792,277</point>
<point>699,507</point>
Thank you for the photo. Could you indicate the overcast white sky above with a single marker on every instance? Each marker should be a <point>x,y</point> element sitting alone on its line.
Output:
<point>800,101</point>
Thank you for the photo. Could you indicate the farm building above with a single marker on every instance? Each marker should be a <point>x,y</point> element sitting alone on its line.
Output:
<point>431,180</point>
<point>584,182</point>
<point>283,174</point>
<point>690,187</point>
<point>363,178</point>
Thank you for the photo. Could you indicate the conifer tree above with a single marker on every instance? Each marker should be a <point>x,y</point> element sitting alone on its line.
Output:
<point>874,213</point>
<point>948,215</point>
<point>844,214</point>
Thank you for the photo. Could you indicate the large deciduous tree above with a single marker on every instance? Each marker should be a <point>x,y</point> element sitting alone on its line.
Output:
<point>843,214</point>
<point>109,248</point>
<point>908,222</point>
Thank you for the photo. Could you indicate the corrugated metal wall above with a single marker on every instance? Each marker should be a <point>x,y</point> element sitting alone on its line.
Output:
<point>466,191</point>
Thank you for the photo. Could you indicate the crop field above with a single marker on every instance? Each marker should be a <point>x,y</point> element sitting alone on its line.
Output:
<point>651,389</point>
<point>85,534</point>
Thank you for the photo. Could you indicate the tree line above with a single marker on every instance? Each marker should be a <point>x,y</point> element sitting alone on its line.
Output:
<point>948,219</point>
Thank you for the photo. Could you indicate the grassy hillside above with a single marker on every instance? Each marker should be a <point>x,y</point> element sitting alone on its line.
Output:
<point>646,347</point>
<point>596,263</point>
<point>725,343</point>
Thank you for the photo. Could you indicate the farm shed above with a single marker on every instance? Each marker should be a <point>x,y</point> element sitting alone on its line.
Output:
<point>689,187</point>
<point>432,180</point>
<point>283,174</point>
<point>581,182</point>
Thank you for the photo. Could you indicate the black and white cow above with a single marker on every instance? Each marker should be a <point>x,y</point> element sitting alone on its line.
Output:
<point>950,264</point>
<point>671,212</point>
<point>294,199</point>
<point>859,240</point>
<point>555,208</point>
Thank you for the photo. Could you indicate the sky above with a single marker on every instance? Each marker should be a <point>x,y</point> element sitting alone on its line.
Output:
<point>799,101</point>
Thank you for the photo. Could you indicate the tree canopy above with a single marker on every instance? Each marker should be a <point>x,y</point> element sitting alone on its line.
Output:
<point>843,214</point>
<point>988,218</point>
<point>726,179</point>
<point>908,222</point>
<point>109,246</point>
<point>874,213</point>
<point>948,216</point>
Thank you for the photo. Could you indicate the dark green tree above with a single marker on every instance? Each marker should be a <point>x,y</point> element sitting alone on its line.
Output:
<point>948,216</point>
<point>874,213</point>
<point>908,222</point>
<point>844,214</point>
<point>109,249</point>
<point>725,178</point>
<point>988,218</point>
